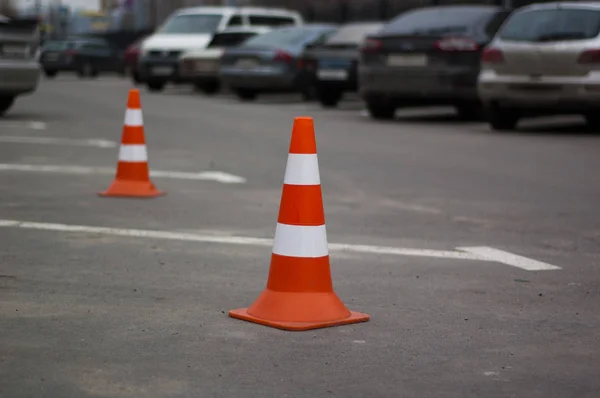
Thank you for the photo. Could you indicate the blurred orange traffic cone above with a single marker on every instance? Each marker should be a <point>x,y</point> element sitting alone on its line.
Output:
<point>299,293</point>
<point>133,174</point>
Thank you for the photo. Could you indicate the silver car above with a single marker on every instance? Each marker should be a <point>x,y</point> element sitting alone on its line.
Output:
<point>544,60</point>
<point>19,69</point>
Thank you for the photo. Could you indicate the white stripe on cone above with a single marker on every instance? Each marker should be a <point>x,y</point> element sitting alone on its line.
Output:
<point>133,153</point>
<point>300,241</point>
<point>133,118</point>
<point>302,169</point>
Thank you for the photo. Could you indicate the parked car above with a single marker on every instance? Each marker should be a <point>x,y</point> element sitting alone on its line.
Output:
<point>86,56</point>
<point>19,69</point>
<point>132,60</point>
<point>545,59</point>
<point>428,56</point>
<point>202,66</point>
<point>269,62</point>
<point>332,65</point>
<point>192,29</point>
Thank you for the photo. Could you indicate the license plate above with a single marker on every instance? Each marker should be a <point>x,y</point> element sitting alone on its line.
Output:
<point>332,74</point>
<point>407,60</point>
<point>14,50</point>
<point>51,57</point>
<point>206,66</point>
<point>162,70</point>
<point>247,63</point>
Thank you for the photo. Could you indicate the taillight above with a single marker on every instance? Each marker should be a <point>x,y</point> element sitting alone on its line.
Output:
<point>456,44</point>
<point>591,56</point>
<point>371,46</point>
<point>309,64</point>
<point>70,53</point>
<point>492,56</point>
<point>282,56</point>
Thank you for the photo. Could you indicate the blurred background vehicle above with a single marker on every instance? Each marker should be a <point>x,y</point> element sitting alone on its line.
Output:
<point>428,56</point>
<point>85,56</point>
<point>332,65</point>
<point>270,62</point>
<point>192,29</point>
<point>132,60</point>
<point>544,60</point>
<point>19,69</point>
<point>202,66</point>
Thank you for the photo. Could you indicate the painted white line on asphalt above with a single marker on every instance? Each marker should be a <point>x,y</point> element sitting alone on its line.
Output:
<point>218,176</point>
<point>514,260</point>
<point>24,125</point>
<point>486,254</point>
<point>58,141</point>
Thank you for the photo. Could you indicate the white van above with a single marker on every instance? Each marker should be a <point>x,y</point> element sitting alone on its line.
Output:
<point>192,29</point>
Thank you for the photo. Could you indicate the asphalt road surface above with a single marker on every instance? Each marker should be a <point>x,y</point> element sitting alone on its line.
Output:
<point>476,254</point>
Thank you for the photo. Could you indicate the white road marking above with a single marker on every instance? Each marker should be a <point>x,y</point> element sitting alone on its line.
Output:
<point>24,125</point>
<point>58,141</point>
<point>251,241</point>
<point>218,176</point>
<point>514,260</point>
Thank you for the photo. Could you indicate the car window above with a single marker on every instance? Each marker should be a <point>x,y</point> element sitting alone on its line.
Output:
<point>264,20</point>
<point>57,45</point>
<point>438,21</point>
<point>284,37</point>
<point>552,25</point>
<point>352,34</point>
<point>230,39</point>
<point>235,20</point>
<point>192,23</point>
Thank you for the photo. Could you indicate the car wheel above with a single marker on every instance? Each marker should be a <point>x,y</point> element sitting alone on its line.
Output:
<point>5,104</point>
<point>329,98</point>
<point>502,119</point>
<point>246,94</point>
<point>86,70</point>
<point>50,73</point>
<point>592,120</point>
<point>381,109</point>
<point>470,111</point>
<point>207,87</point>
<point>155,86</point>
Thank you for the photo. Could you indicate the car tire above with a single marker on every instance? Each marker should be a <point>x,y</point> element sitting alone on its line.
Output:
<point>5,104</point>
<point>502,119</point>
<point>381,109</point>
<point>592,120</point>
<point>470,111</point>
<point>155,86</point>
<point>329,98</point>
<point>50,73</point>
<point>246,94</point>
<point>207,88</point>
<point>86,70</point>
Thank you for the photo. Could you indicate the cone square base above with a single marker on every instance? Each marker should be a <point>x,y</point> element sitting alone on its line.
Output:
<point>132,189</point>
<point>355,317</point>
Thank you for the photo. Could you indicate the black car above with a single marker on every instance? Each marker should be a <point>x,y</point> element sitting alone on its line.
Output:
<point>332,64</point>
<point>85,56</point>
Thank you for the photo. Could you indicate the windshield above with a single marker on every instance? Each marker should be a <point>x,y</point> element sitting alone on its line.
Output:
<point>230,39</point>
<point>552,25</point>
<point>282,37</point>
<point>439,21</point>
<point>57,45</point>
<point>190,24</point>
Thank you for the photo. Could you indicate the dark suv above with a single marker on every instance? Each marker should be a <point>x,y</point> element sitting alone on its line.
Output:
<point>85,56</point>
<point>428,56</point>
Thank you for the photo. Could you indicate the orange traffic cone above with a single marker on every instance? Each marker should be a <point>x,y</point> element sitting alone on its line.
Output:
<point>133,174</point>
<point>299,293</point>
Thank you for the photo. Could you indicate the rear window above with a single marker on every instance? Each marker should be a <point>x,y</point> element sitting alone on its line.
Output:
<point>552,25</point>
<point>230,39</point>
<point>192,23</point>
<point>351,34</point>
<point>283,37</point>
<point>263,20</point>
<point>58,45</point>
<point>439,21</point>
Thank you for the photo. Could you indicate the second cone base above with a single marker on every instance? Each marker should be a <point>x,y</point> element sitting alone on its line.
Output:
<point>132,189</point>
<point>298,311</point>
